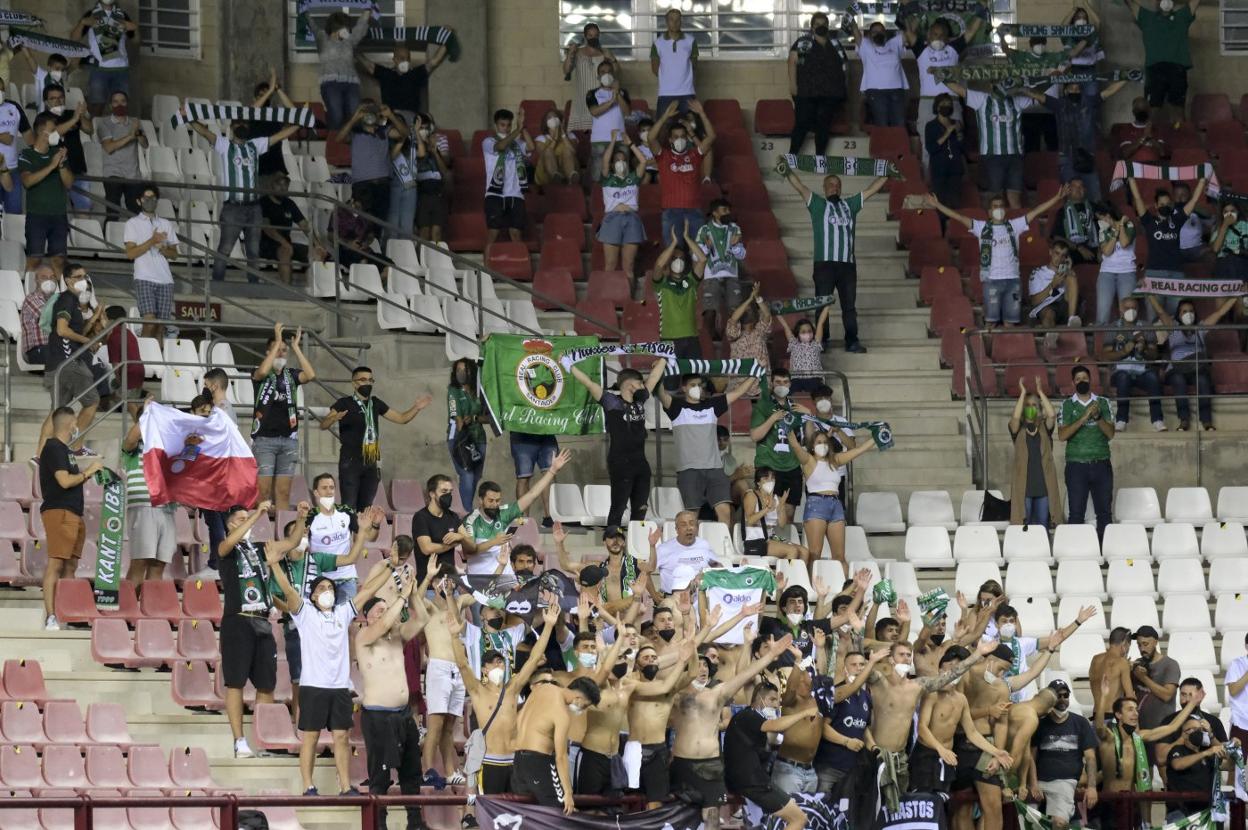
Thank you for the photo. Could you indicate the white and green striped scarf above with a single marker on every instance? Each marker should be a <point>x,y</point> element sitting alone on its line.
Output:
<point>498,176</point>
<point>799,305</point>
<point>659,348</point>
<point>742,366</point>
<point>14,18</point>
<point>1080,223</point>
<point>840,166</point>
<point>235,112</point>
<point>985,242</point>
<point>881,432</point>
<point>47,44</point>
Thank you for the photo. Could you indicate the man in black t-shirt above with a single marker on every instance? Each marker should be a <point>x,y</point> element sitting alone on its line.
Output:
<point>1161,230</point>
<point>359,449</point>
<point>625,414</point>
<point>746,752</point>
<point>61,484</point>
<point>1192,761</point>
<point>1065,748</point>
<point>68,333</point>
<point>405,88</point>
<point>437,529</point>
<point>280,215</point>
<point>71,126</point>
<point>1191,687</point>
<point>274,430</point>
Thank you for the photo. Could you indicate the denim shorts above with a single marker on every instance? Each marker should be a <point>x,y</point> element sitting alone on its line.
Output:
<point>532,451</point>
<point>621,227</point>
<point>104,82</point>
<point>1002,301</point>
<point>275,456</point>
<point>824,508</point>
<point>1002,173</point>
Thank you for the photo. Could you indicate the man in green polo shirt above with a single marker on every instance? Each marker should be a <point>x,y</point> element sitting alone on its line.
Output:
<point>1167,55</point>
<point>1086,424</point>
<point>776,421</point>
<point>489,525</point>
<point>677,277</point>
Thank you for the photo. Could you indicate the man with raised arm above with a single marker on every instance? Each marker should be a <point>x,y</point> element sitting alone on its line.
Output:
<point>275,428</point>
<point>649,710</point>
<point>489,524</point>
<point>541,760</point>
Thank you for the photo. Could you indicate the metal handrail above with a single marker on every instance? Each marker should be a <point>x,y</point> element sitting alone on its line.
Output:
<point>978,422</point>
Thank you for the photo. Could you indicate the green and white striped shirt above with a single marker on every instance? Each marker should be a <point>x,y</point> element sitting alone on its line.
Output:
<point>834,224</point>
<point>1000,122</point>
<point>137,494</point>
<point>240,167</point>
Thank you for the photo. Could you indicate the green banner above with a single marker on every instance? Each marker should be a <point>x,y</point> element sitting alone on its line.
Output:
<point>798,305</point>
<point>108,544</point>
<point>958,14</point>
<point>526,390</point>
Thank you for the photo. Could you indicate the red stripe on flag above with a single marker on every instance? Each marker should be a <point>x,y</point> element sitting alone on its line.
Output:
<point>207,483</point>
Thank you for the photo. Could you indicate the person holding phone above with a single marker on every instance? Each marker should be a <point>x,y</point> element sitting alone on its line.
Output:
<point>489,525</point>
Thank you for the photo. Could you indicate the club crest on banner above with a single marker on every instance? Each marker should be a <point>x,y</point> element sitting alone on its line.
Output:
<point>539,377</point>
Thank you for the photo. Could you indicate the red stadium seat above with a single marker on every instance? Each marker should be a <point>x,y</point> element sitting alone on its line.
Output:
<point>200,600</point>
<point>1184,136</point>
<point>604,322</point>
<point>63,767</point>
<point>13,522</point>
<point>566,198</point>
<point>1230,376</point>
<point>21,723</point>
<point>641,321</point>
<point>1037,165</point>
<point>535,110</point>
<point>1225,137</point>
<point>111,644</point>
<point>1008,346</point>
<point>455,140</point>
<point>757,224</point>
<point>273,729</point>
<point>553,286</point>
<point>189,767</point>
<point>19,768</point>
<point>938,280</point>
<point>149,768</point>
<point>154,645</point>
<point>918,226</point>
<point>159,600</point>
<point>724,113</point>
<point>609,287</point>
<point>407,495</point>
<point>898,191</point>
<point>776,283</point>
<point>766,255</point>
<point>193,686</point>
<point>1209,107</point>
<point>15,484</point>
<point>1070,345</point>
<point>734,143</point>
<point>749,193</point>
<point>106,767</point>
<point>1033,250</point>
<point>106,724</point>
<point>1025,370</point>
<point>11,561</point>
<point>337,153</point>
<point>738,169</point>
<point>951,313</point>
<point>63,723</point>
<point>773,116</point>
<point>565,254</point>
<point>511,259</point>
<point>1066,384</point>
<point>153,817</point>
<point>1221,342</point>
<point>23,680</point>
<point>197,641</point>
<point>889,142</point>
<point>564,226</point>
<point>934,253</point>
<point>466,232</point>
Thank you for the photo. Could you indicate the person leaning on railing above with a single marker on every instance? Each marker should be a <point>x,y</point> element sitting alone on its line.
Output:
<point>1189,361</point>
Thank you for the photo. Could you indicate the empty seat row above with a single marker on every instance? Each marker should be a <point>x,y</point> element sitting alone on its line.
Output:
<point>141,767</point>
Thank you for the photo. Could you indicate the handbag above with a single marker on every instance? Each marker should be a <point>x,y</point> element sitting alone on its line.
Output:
<point>994,509</point>
<point>474,747</point>
<point>465,450</point>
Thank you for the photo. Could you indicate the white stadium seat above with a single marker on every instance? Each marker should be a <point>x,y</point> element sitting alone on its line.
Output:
<point>1076,705</point>
<point>153,359</point>
<point>597,499</point>
<point>1080,576</point>
<point>1029,578</point>
<point>970,575</point>
<point>1231,612</point>
<point>566,504</point>
<point>1137,506</point>
<point>393,313</point>
<point>1228,575</point>
<point>830,571</point>
<point>1077,652</point>
<point>972,506</point>
<point>719,538</point>
<point>976,543</point>
<point>1026,542</point>
<point>1219,539</point>
<point>931,508</point>
<point>856,565</point>
<point>1193,649</point>
<point>1232,503</point>
<point>461,330</point>
<point>1211,703</point>
<point>1232,646</point>
<point>1185,612</point>
<point>1181,576</point>
<point>1070,605</point>
<point>1130,576</point>
<point>1076,542</point>
<point>880,513</point>
<point>426,317</point>
<point>1188,504</point>
<point>928,547</point>
<point>1035,615</point>
<point>1175,541</point>
<point>1132,611</point>
<point>856,544</point>
<point>795,573</point>
<point>639,538</point>
<point>902,575</point>
<point>1125,542</point>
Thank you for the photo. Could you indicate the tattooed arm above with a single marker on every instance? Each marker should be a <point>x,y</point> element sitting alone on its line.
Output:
<point>940,681</point>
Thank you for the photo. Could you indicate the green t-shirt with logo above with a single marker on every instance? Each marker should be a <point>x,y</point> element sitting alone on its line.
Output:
<point>774,450</point>
<point>678,307</point>
<point>1165,35</point>
<point>1089,443</point>
<point>483,528</point>
<point>303,572</point>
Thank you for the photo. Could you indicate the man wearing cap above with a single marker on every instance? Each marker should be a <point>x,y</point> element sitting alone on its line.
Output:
<point>1065,749</point>
<point>687,553</point>
<point>1156,679</point>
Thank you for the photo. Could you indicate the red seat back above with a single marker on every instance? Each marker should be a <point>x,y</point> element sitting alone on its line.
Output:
<point>63,723</point>
<point>553,286</point>
<point>200,600</point>
<point>466,232</point>
<point>106,767</point>
<point>510,259</point>
<point>609,287</point>
<point>564,226</point>
<point>562,253</point>
<point>773,116</point>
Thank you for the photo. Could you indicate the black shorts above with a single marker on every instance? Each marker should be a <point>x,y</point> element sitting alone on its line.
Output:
<point>928,773</point>
<point>699,782</point>
<point>494,779</point>
<point>431,209</point>
<point>655,781</point>
<point>248,652</point>
<point>968,773</point>
<point>294,656</point>
<point>1165,83</point>
<point>268,250</point>
<point>47,235</point>
<point>535,774</point>
<point>593,774</point>
<point>792,481</point>
<point>769,798</point>
<point>324,709</point>
<point>501,213</point>
<point>392,742</point>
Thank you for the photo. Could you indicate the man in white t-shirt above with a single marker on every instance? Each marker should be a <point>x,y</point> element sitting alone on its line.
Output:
<point>609,106</point>
<point>1053,292</point>
<point>998,253</point>
<point>673,56</point>
<point>884,83</point>
<point>331,527</point>
<point>506,175</point>
<point>1236,681</point>
<point>686,551</point>
<point>151,241</point>
<point>13,123</point>
<point>938,50</point>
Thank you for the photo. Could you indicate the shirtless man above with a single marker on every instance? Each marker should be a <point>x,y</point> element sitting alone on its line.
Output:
<point>794,768</point>
<point>391,736</point>
<point>1112,663</point>
<point>604,723</point>
<point>933,761</point>
<point>894,697</point>
<point>649,710</point>
<point>1023,719</point>
<point>541,761</point>
<point>697,767</point>
<point>444,685</point>
<point>495,691</point>
<point>1124,762</point>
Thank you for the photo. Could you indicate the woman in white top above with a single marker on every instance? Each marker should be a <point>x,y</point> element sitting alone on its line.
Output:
<point>824,513</point>
<point>580,65</point>
<point>884,81</point>
<point>760,508</point>
<point>1116,280</point>
<point>621,231</point>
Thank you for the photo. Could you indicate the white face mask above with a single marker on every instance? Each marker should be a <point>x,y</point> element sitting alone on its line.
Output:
<point>806,336</point>
<point>57,110</point>
<point>1038,49</point>
<point>47,286</point>
<point>694,393</point>
<point>423,132</point>
<point>795,617</point>
<point>500,134</point>
<point>850,678</point>
<point>552,123</point>
<point>1166,5</point>
<point>781,391</point>
<point>769,713</point>
<point>621,167</point>
<point>698,684</point>
<point>56,75</point>
<point>325,600</point>
<point>587,660</point>
<point>821,450</point>
<point>902,669</point>
<point>823,406</point>
<point>678,266</point>
<point>643,135</point>
<point>606,79</point>
<point>326,502</point>
<point>86,297</point>
<point>403,66</point>
<point>1008,631</point>
<point>495,675</point>
<point>845,628</point>
<point>989,677</point>
<point>343,34</point>
<point>575,708</point>
<point>1187,318</point>
<point>54,138</point>
<point>936,44</point>
<point>1129,315</point>
<point>998,214</point>
<point>679,144</point>
<point>768,487</point>
<point>279,363</point>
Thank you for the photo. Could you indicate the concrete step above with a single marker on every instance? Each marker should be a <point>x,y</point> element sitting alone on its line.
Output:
<point>885,356</point>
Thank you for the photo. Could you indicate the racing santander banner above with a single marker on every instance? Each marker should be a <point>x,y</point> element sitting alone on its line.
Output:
<point>1195,288</point>
<point>496,814</point>
<point>527,390</point>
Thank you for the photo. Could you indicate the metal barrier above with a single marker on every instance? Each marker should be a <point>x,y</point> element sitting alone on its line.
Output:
<point>979,426</point>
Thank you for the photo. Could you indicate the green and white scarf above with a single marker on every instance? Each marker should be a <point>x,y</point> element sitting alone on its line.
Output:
<point>839,166</point>
<point>799,305</point>
<point>932,605</point>
<point>1030,818</point>
<point>370,450</point>
<point>628,576</point>
<point>985,242</point>
<point>1028,71</point>
<point>12,18</point>
<point>665,349</point>
<point>253,579</point>
<point>1143,781</point>
<point>236,112</point>
<point>722,255</point>
<point>306,6</point>
<point>414,37</point>
<point>881,432</point>
<point>47,44</point>
<point>1078,223</point>
<point>743,366</point>
<point>269,390</point>
<point>498,177</point>
<point>108,542</point>
<point>1046,29</point>
<point>884,592</point>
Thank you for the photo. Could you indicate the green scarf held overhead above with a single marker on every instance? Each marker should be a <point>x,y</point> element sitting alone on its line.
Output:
<point>414,37</point>
<point>985,242</point>
<point>1026,72</point>
<point>1046,29</point>
<point>1143,781</point>
<point>665,349</point>
<point>839,166</point>
<point>884,592</point>
<point>743,366</point>
<point>800,305</point>
<point>371,449</point>
<point>881,432</point>
<point>269,391</point>
<point>108,543</point>
<point>932,605</point>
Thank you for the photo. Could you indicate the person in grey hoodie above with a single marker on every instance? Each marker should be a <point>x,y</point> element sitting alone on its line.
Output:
<point>340,83</point>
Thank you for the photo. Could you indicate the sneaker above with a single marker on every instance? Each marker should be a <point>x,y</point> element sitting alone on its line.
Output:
<point>311,791</point>
<point>856,348</point>
<point>51,623</point>
<point>469,822</point>
<point>1120,426</point>
<point>350,791</point>
<point>1050,341</point>
<point>1075,321</point>
<point>243,750</point>
<point>1184,426</point>
<point>1208,427</point>
<point>433,779</point>
<point>547,523</point>
<point>1160,426</point>
<point>457,777</point>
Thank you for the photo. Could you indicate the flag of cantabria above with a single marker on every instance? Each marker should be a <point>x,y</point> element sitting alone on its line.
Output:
<point>527,390</point>
<point>195,461</point>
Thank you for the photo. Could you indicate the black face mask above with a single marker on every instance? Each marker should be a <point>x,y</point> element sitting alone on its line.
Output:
<point>821,31</point>
<point>495,623</point>
<point>1083,387</point>
<point>650,672</point>
<point>444,501</point>
<point>619,670</point>
<point>1130,730</point>
<point>711,669</point>
<point>1141,116</point>
<point>527,573</point>
<point>834,198</point>
<point>879,38</point>
<point>242,133</point>
<point>667,635</point>
<point>641,396</point>
<point>1073,97</point>
<point>593,42</point>
<point>946,111</point>
<point>937,639</point>
<point>365,390</point>
<point>1165,210</point>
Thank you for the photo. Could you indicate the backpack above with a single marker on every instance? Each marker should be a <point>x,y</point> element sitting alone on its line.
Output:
<point>45,315</point>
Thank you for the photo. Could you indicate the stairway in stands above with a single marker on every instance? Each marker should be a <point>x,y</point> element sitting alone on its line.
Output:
<point>899,379</point>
